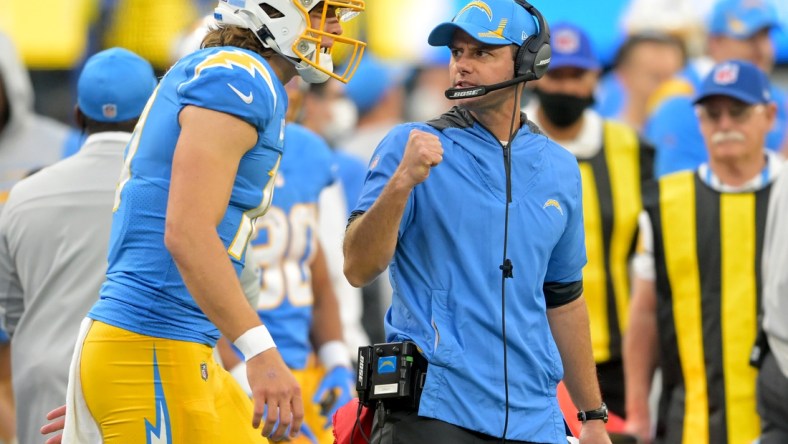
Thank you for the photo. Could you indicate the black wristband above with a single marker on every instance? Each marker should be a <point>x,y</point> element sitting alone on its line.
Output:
<point>600,413</point>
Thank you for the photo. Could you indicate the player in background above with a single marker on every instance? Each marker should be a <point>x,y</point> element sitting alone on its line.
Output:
<point>644,62</point>
<point>327,111</point>
<point>614,163</point>
<point>199,170</point>
<point>737,29</point>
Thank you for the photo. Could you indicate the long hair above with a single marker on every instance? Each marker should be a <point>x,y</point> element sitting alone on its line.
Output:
<point>230,35</point>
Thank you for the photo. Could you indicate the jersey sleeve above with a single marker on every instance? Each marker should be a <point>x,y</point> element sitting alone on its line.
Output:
<point>569,254</point>
<point>384,163</point>
<point>245,92</point>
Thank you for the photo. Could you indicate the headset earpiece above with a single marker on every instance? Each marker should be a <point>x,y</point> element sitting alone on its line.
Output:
<point>533,57</point>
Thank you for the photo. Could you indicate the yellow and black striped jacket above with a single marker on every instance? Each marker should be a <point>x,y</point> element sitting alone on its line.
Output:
<point>612,183</point>
<point>707,251</point>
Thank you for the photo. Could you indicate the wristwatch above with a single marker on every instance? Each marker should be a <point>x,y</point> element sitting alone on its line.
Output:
<point>600,413</point>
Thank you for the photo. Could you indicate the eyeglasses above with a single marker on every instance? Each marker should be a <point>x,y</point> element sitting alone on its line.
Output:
<point>739,113</point>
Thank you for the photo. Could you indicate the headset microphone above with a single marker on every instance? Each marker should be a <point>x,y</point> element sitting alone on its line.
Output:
<point>476,91</point>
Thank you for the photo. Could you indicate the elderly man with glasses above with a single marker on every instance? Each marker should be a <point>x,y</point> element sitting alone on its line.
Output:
<point>695,304</point>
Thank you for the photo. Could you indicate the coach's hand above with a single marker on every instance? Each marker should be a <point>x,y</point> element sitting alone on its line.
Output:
<point>422,152</point>
<point>593,432</point>
<point>276,393</point>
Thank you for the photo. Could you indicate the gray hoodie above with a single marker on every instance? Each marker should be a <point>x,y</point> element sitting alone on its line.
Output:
<point>28,141</point>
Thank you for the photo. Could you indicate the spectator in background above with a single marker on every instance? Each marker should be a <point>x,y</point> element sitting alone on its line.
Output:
<point>426,89</point>
<point>696,292</point>
<point>614,163</point>
<point>738,29</point>
<point>684,19</point>
<point>642,64</point>
<point>54,55</point>
<point>327,111</point>
<point>380,99</point>
<point>28,142</point>
<point>50,274</point>
<point>149,29</point>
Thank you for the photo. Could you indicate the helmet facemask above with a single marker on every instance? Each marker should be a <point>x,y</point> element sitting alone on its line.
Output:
<point>286,27</point>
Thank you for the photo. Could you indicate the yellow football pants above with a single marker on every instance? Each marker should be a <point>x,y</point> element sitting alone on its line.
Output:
<point>143,389</point>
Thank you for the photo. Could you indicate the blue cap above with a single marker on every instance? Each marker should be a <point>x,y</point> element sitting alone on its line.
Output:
<point>741,19</point>
<point>737,79</point>
<point>492,22</point>
<point>571,48</point>
<point>370,82</point>
<point>114,85</point>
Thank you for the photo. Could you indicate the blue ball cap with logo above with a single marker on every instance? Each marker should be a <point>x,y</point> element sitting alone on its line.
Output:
<point>741,19</point>
<point>492,22</point>
<point>571,48</point>
<point>737,79</point>
<point>115,85</point>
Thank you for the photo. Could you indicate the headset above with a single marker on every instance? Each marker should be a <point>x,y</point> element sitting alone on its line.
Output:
<point>530,62</point>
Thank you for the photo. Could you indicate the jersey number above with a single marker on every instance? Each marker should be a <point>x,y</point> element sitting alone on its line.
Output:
<point>286,256</point>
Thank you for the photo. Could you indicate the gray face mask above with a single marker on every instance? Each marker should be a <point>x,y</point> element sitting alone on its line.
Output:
<point>344,117</point>
<point>426,103</point>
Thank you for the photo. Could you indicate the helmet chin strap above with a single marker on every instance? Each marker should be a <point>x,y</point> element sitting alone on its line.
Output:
<point>309,73</point>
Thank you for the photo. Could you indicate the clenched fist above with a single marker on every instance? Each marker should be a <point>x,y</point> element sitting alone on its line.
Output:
<point>422,152</point>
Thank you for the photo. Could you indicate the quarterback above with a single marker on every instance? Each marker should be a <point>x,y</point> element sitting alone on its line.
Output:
<point>200,168</point>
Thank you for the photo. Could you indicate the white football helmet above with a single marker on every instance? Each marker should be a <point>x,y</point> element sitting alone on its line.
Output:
<point>285,26</point>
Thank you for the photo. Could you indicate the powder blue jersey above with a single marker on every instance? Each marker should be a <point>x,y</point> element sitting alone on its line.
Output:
<point>447,282</point>
<point>674,129</point>
<point>350,171</point>
<point>285,242</point>
<point>144,291</point>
